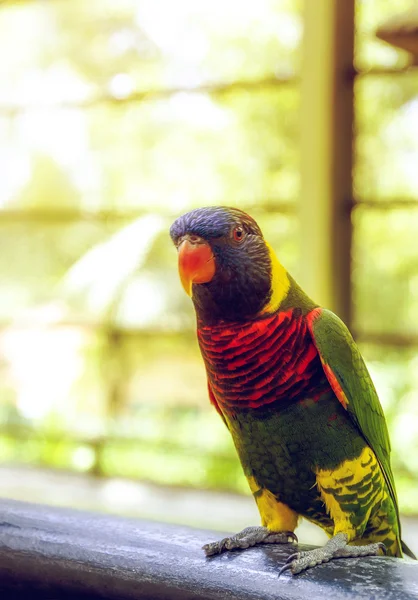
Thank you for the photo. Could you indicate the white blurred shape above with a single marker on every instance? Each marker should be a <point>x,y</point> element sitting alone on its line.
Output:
<point>60,134</point>
<point>402,129</point>
<point>101,274</point>
<point>405,430</point>
<point>143,302</point>
<point>199,110</point>
<point>289,30</point>
<point>44,364</point>
<point>121,41</point>
<point>16,171</point>
<point>121,85</point>
<point>83,458</point>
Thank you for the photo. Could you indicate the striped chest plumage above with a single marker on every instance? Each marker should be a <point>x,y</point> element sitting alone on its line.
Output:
<point>266,361</point>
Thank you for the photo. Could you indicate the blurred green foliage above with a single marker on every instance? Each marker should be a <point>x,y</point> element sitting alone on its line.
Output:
<point>99,368</point>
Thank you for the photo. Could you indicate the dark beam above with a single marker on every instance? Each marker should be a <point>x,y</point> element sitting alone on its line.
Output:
<point>22,433</point>
<point>380,338</point>
<point>388,72</point>
<point>384,338</point>
<point>59,553</point>
<point>217,88</point>
<point>47,216</point>
<point>387,204</point>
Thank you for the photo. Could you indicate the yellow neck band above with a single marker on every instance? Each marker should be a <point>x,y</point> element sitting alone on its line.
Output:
<point>280,283</point>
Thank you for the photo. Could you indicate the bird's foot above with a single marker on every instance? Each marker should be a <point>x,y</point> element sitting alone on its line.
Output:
<point>250,536</point>
<point>336,547</point>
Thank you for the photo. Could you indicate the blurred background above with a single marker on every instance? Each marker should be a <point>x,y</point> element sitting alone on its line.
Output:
<point>116,116</point>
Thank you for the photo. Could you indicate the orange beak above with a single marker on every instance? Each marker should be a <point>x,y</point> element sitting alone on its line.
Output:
<point>196,262</point>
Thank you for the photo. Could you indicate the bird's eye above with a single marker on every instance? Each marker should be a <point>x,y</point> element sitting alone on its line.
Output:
<point>238,234</point>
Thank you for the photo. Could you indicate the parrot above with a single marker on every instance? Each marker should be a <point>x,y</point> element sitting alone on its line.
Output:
<point>290,384</point>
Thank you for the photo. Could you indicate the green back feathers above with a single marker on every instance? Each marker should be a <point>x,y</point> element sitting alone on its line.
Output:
<point>352,384</point>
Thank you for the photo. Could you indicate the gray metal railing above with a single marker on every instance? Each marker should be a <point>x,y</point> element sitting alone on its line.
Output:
<point>53,553</point>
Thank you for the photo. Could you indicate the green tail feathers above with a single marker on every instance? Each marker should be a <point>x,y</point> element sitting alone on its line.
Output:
<point>407,551</point>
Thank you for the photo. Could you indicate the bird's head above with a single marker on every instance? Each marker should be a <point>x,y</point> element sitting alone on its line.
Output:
<point>226,266</point>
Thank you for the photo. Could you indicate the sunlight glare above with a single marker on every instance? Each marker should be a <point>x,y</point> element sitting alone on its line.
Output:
<point>44,364</point>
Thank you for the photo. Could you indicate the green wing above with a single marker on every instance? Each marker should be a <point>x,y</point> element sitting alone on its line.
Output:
<point>350,380</point>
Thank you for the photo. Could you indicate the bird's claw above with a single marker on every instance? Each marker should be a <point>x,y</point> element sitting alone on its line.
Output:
<point>250,536</point>
<point>288,564</point>
<point>335,548</point>
<point>383,548</point>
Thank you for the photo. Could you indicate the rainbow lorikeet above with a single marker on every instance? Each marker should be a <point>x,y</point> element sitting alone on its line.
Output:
<point>291,386</point>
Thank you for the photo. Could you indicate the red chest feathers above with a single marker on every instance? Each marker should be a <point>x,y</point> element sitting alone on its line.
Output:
<point>262,362</point>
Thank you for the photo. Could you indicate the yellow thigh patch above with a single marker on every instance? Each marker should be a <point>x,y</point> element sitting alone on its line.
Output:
<point>274,514</point>
<point>351,491</point>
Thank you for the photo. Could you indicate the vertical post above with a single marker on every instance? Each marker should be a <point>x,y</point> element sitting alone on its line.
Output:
<point>326,153</point>
<point>114,381</point>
